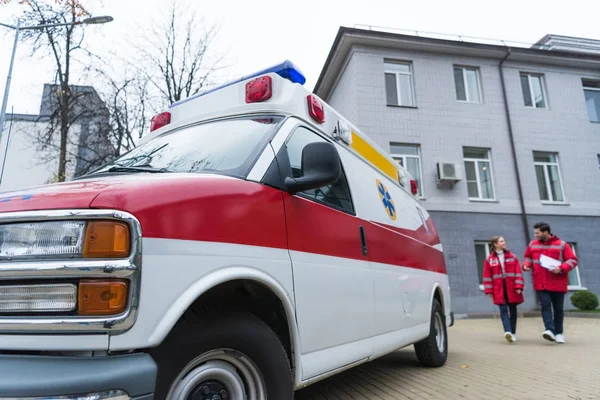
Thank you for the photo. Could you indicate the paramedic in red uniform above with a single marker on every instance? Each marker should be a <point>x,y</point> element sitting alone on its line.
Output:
<point>503,282</point>
<point>550,284</point>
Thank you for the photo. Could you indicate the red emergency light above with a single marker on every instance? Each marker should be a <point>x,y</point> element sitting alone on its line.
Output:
<point>316,108</point>
<point>259,90</point>
<point>160,120</point>
<point>414,186</point>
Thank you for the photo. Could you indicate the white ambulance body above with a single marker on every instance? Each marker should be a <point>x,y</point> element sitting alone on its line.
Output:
<point>254,243</point>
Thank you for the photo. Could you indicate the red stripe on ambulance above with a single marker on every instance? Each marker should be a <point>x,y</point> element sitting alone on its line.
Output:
<point>228,210</point>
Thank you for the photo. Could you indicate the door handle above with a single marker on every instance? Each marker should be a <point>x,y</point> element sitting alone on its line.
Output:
<point>363,240</point>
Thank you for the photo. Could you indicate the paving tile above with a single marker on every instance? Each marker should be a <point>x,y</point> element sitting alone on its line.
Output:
<point>481,365</point>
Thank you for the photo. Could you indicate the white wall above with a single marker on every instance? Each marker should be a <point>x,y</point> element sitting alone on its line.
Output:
<point>26,165</point>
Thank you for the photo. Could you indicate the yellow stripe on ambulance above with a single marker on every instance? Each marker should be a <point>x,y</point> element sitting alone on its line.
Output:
<point>371,154</point>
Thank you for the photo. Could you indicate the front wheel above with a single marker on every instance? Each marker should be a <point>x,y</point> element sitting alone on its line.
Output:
<point>233,356</point>
<point>433,350</point>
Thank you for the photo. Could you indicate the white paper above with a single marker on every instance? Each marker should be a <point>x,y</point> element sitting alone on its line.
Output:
<point>549,262</point>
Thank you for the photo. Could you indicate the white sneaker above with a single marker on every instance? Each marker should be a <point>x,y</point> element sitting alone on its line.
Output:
<point>514,338</point>
<point>548,335</point>
<point>509,337</point>
<point>560,339</point>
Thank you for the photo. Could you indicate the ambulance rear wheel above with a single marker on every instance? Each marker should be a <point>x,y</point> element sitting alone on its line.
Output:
<point>433,350</point>
<point>235,356</point>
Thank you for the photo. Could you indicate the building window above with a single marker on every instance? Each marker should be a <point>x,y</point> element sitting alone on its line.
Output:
<point>534,94</point>
<point>466,80</point>
<point>399,84</point>
<point>591,90</point>
<point>482,251</point>
<point>574,277</point>
<point>548,177</point>
<point>409,156</point>
<point>478,168</point>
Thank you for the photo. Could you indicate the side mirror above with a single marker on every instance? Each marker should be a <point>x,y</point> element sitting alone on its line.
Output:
<point>321,166</point>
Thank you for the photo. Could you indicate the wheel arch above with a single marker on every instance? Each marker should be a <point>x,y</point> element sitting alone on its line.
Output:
<point>198,289</point>
<point>437,293</point>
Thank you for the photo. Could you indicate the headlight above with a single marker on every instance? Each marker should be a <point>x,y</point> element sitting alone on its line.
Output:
<point>59,239</point>
<point>38,298</point>
<point>36,239</point>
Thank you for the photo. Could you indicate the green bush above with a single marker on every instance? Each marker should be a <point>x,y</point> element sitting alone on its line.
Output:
<point>585,300</point>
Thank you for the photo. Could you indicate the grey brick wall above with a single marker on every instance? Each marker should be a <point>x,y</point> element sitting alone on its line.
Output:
<point>563,127</point>
<point>345,96</point>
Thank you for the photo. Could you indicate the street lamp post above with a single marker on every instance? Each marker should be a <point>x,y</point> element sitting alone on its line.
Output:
<point>18,28</point>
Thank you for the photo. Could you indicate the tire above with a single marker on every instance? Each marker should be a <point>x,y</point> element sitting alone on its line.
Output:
<point>222,345</point>
<point>428,352</point>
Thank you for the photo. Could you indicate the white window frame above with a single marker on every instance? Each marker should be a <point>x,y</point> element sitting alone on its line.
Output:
<point>464,70</point>
<point>397,156</point>
<point>593,89</point>
<point>390,70</point>
<point>477,177</point>
<point>531,93</point>
<point>575,271</point>
<point>486,246</point>
<point>545,165</point>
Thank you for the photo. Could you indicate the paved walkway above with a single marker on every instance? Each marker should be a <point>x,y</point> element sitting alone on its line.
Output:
<point>481,365</point>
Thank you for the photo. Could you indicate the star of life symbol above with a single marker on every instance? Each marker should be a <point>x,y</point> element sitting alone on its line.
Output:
<point>386,199</point>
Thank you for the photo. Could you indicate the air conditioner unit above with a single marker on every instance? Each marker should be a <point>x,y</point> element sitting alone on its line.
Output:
<point>448,172</point>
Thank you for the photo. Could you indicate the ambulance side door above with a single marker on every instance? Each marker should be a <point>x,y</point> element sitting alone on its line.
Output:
<point>392,283</point>
<point>332,280</point>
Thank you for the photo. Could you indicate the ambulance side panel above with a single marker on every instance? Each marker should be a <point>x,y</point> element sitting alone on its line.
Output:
<point>332,278</point>
<point>406,261</point>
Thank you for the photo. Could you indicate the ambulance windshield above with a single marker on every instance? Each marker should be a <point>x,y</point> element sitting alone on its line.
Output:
<point>226,146</point>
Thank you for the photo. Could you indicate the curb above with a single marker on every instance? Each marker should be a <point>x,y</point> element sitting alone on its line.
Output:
<point>526,314</point>
<point>581,315</point>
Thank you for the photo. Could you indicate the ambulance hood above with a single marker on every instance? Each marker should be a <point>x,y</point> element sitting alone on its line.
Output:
<point>120,192</point>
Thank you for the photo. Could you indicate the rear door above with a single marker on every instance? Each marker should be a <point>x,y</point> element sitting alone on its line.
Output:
<point>332,281</point>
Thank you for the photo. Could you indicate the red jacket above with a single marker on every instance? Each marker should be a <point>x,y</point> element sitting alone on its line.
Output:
<point>555,248</point>
<point>493,279</point>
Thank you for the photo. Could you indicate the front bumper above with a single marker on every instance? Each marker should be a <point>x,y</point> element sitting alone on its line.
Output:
<point>116,377</point>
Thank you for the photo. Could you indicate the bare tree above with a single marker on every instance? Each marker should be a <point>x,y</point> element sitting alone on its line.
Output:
<point>62,43</point>
<point>91,126</point>
<point>76,5</point>
<point>127,99</point>
<point>178,57</point>
<point>89,142</point>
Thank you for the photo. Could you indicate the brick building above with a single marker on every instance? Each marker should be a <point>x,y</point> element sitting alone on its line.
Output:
<point>498,137</point>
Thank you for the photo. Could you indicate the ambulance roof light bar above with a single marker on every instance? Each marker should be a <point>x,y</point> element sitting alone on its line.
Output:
<point>286,70</point>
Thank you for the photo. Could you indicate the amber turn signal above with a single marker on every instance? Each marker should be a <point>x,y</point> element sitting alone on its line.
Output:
<point>106,239</point>
<point>102,297</point>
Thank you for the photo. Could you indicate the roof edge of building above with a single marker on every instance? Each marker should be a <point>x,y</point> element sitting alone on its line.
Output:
<point>323,85</point>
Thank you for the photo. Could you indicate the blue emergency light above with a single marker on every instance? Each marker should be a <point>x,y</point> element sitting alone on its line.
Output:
<point>286,70</point>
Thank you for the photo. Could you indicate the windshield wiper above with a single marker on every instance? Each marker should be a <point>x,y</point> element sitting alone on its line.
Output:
<point>121,168</point>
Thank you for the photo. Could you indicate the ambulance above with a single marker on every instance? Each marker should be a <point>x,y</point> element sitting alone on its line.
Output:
<point>254,243</point>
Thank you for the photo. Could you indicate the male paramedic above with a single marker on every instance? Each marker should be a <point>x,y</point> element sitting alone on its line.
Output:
<point>551,260</point>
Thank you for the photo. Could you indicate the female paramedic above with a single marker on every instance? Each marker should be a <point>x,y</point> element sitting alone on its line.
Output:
<point>503,283</point>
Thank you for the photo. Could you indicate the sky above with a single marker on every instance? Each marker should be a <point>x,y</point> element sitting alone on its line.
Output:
<point>256,34</point>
